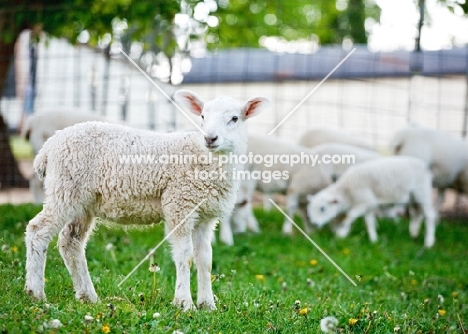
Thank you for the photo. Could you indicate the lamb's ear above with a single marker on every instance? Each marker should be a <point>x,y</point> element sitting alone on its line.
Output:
<point>189,100</point>
<point>255,105</point>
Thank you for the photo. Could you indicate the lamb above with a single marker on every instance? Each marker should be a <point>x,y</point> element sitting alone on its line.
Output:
<point>39,127</point>
<point>302,179</point>
<point>259,145</point>
<point>308,180</point>
<point>364,188</point>
<point>85,176</point>
<point>446,155</point>
<point>319,136</point>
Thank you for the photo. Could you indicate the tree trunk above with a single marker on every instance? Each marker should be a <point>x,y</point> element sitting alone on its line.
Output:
<point>10,175</point>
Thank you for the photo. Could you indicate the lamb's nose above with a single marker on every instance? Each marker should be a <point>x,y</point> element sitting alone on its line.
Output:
<point>210,140</point>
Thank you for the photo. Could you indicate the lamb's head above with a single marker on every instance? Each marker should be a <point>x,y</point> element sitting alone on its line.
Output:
<point>324,206</point>
<point>222,118</point>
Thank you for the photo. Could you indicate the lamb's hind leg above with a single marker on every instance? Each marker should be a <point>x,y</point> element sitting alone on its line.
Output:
<point>203,258</point>
<point>72,244</point>
<point>39,232</point>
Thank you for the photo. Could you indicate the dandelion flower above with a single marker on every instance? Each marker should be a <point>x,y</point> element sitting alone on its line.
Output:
<point>352,321</point>
<point>260,277</point>
<point>346,251</point>
<point>105,328</point>
<point>88,318</point>
<point>14,249</point>
<point>154,268</point>
<point>313,262</point>
<point>328,324</point>
<point>442,312</point>
<point>55,323</point>
<point>303,311</point>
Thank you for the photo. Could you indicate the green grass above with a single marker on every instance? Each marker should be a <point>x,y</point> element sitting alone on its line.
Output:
<point>398,282</point>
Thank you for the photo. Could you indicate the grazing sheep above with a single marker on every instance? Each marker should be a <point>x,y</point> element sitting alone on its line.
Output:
<point>265,146</point>
<point>319,136</point>
<point>39,127</point>
<point>364,188</point>
<point>445,155</point>
<point>85,176</point>
<point>308,180</point>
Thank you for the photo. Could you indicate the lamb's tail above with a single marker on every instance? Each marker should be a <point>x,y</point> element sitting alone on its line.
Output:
<point>40,164</point>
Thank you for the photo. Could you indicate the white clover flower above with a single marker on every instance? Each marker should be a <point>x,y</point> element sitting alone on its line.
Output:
<point>5,248</point>
<point>396,329</point>
<point>177,332</point>
<point>88,318</point>
<point>328,324</point>
<point>154,268</point>
<point>55,323</point>
<point>156,315</point>
<point>297,303</point>
<point>109,247</point>
<point>441,299</point>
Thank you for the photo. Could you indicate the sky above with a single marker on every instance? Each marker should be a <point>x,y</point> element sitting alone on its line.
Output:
<point>398,27</point>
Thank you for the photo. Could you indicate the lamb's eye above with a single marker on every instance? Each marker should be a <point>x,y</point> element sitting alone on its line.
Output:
<point>202,117</point>
<point>234,119</point>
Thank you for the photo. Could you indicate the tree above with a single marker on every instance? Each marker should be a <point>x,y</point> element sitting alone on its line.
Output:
<point>69,18</point>
<point>242,23</point>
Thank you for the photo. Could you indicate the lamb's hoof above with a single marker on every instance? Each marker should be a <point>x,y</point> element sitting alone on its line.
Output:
<point>209,306</point>
<point>184,305</point>
<point>429,243</point>
<point>287,230</point>
<point>341,233</point>
<point>37,294</point>
<point>87,297</point>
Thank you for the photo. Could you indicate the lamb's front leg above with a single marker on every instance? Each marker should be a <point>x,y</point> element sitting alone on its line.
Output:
<point>203,257</point>
<point>343,230</point>
<point>182,254</point>
<point>371,226</point>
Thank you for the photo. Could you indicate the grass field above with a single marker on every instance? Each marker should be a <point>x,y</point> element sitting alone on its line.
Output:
<point>266,283</point>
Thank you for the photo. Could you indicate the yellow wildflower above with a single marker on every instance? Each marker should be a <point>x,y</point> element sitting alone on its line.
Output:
<point>313,262</point>
<point>352,321</point>
<point>105,328</point>
<point>346,251</point>
<point>14,249</point>
<point>414,282</point>
<point>442,312</point>
<point>303,311</point>
<point>260,277</point>
<point>454,294</point>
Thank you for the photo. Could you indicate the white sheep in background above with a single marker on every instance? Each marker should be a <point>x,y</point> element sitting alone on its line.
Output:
<point>85,178</point>
<point>445,155</point>
<point>39,127</point>
<point>364,188</point>
<point>320,136</point>
<point>302,179</point>
<point>308,180</point>
<point>242,217</point>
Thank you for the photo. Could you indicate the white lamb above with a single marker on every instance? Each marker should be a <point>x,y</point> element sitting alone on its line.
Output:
<point>364,188</point>
<point>85,177</point>
<point>308,180</point>
<point>39,127</point>
<point>445,155</point>
<point>319,136</point>
<point>264,146</point>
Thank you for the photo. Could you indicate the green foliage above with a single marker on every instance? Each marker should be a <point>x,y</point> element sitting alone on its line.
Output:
<point>242,23</point>
<point>258,281</point>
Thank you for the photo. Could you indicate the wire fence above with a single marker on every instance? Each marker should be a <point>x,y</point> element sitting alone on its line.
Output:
<point>371,95</point>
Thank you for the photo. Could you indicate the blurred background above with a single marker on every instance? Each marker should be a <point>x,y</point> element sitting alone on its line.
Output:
<point>409,64</point>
